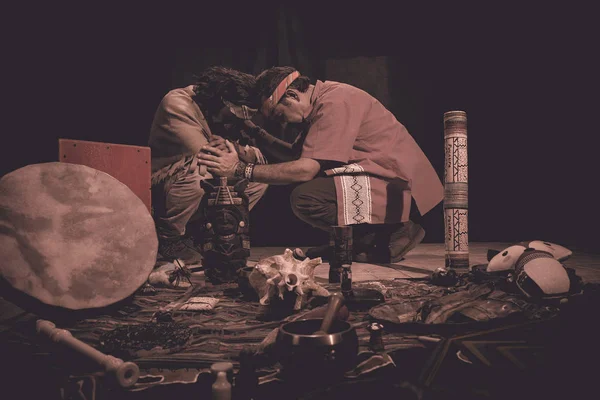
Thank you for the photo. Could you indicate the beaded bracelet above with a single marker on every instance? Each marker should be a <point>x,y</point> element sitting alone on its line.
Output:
<point>249,171</point>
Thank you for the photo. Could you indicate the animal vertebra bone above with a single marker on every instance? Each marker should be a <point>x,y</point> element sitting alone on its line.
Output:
<point>275,275</point>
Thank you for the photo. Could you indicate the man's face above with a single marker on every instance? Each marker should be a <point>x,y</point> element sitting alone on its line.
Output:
<point>289,109</point>
<point>224,116</point>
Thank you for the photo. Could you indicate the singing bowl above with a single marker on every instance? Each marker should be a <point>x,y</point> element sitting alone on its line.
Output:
<point>304,354</point>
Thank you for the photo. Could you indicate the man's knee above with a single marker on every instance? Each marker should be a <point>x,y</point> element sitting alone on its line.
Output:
<point>255,191</point>
<point>184,190</point>
<point>301,199</point>
<point>314,202</point>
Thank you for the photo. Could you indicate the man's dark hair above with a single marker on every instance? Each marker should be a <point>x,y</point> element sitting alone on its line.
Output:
<point>268,80</point>
<point>217,83</point>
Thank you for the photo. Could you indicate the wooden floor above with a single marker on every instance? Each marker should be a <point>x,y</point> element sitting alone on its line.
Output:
<point>427,257</point>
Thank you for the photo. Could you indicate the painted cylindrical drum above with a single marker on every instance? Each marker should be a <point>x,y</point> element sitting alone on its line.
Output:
<point>456,190</point>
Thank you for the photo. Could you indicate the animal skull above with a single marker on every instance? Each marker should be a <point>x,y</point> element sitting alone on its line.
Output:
<point>275,275</point>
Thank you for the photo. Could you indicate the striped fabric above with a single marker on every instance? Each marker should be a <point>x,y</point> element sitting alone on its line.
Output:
<point>234,324</point>
<point>357,204</point>
<point>217,335</point>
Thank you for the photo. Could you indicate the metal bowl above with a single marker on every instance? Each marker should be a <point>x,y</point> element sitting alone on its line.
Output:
<point>303,354</point>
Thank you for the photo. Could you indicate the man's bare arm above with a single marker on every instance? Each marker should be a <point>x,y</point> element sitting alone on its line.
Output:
<point>223,163</point>
<point>301,170</point>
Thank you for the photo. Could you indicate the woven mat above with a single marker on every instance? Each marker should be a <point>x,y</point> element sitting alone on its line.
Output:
<point>216,335</point>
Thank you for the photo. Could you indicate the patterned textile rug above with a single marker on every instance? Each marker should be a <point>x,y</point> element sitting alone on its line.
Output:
<point>175,348</point>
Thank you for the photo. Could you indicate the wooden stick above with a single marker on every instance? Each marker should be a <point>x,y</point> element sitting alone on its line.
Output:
<point>125,373</point>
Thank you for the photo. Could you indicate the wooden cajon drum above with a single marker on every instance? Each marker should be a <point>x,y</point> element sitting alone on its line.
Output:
<point>128,164</point>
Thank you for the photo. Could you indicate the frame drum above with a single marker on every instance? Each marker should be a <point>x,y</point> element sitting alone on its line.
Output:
<point>72,236</point>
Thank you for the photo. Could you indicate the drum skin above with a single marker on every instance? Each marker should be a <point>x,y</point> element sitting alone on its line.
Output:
<point>72,236</point>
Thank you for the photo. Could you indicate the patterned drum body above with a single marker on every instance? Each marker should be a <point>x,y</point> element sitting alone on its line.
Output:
<point>456,190</point>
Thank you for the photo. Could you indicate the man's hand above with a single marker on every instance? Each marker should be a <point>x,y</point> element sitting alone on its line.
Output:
<point>218,142</point>
<point>219,162</point>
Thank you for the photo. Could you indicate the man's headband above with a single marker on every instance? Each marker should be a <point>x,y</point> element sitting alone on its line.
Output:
<point>269,104</point>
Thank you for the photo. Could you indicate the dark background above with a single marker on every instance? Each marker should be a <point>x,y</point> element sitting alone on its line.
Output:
<point>525,76</point>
